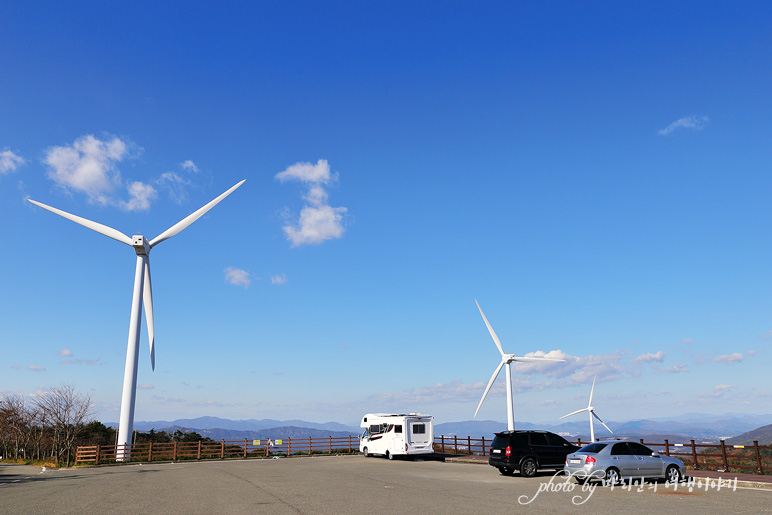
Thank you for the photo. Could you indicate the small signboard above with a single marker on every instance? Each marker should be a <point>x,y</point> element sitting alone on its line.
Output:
<point>255,442</point>
<point>277,442</point>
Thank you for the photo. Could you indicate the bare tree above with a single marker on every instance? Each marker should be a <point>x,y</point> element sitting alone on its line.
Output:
<point>66,412</point>
<point>19,423</point>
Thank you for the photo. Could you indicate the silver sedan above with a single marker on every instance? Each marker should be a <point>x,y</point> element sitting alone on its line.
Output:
<point>613,461</point>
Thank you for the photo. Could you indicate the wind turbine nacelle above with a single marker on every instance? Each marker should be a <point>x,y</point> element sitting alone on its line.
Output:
<point>140,244</point>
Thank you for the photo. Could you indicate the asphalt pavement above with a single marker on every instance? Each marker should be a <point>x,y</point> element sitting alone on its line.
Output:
<point>345,484</point>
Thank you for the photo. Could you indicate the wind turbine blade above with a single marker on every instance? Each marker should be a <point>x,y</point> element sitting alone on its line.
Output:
<point>534,359</point>
<point>182,224</point>
<point>490,330</point>
<point>599,420</point>
<point>591,391</point>
<point>94,226</point>
<point>147,300</point>
<point>487,388</point>
<point>574,412</point>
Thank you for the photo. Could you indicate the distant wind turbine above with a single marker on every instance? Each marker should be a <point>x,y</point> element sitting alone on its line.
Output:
<point>506,359</point>
<point>143,294</point>
<point>591,410</point>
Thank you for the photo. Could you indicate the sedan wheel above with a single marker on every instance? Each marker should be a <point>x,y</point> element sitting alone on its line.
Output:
<point>528,467</point>
<point>612,476</point>
<point>673,475</point>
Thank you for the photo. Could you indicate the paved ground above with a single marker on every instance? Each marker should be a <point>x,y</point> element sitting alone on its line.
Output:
<point>342,484</point>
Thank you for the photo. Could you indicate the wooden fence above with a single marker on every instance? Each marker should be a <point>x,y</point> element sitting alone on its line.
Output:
<point>735,458</point>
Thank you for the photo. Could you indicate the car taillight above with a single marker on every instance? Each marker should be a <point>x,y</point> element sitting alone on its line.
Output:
<point>589,459</point>
<point>508,451</point>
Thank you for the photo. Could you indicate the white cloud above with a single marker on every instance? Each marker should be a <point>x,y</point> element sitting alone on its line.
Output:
<point>688,122</point>
<point>649,357</point>
<point>9,161</point>
<point>318,221</point>
<point>145,386</point>
<point>278,279</point>
<point>189,166</point>
<point>729,358</point>
<point>307,172</point>
<point>140,195</point>
<point>316,225</point>
<point>36,368</point>
<point>65,352</point>
<point>237,277</point>
<point>88,166</point>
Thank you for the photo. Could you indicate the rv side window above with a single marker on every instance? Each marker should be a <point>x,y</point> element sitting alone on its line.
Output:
<point>419,429</point>
<point>375,429</point>
<point>398,428</point>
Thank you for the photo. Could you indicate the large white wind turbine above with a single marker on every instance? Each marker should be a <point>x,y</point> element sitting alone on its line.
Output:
<point>591,410</point>
<point>506,359</point>
<point>143,294</point>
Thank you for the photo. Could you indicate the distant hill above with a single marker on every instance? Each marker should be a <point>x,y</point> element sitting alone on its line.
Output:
<point>202,423</point>
<point>680,429</point>
<point>762,434</point>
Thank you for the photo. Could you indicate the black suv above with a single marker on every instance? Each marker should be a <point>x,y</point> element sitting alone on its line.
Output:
<point>528,451</point>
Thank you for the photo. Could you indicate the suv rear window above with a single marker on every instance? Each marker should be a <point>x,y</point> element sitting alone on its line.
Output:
<point>593,448</point>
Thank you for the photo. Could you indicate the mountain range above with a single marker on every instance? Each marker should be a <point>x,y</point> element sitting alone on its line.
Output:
<point>698,426</point>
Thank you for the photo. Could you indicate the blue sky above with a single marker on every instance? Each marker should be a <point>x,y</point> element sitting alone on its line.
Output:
<point>596,175</point>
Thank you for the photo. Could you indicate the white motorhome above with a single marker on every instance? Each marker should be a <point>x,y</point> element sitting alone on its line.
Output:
<point>396,435</point>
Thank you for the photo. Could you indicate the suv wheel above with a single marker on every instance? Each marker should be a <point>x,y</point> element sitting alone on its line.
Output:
<point>528,467</point>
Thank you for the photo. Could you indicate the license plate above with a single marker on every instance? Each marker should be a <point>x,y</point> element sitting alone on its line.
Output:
<point>574,460</point>
<point>496,451</point>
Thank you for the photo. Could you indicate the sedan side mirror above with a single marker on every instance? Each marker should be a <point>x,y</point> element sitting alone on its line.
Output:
<point>654,454</point>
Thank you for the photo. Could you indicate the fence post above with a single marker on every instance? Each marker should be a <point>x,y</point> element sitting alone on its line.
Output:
<point>198,456</point>
<point>483,445</point>
<point>349,444</point>
<point>222,449</point>
<point>723,454</point>
<point>667,448</point>
<point>330,444</point>
<point>150,452</point>
<point>174,456</point>
<point>267,445</point>
<point>759,465</point>
<point>442,442</point>
<point>694,456</point>
<point>455,443</point>
<point>289,443</point>
<point>579,442</point>
<point>309,446</point>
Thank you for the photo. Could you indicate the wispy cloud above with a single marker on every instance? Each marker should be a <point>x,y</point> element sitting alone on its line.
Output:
<point>687,122</point>
<point>65,352</point>
<point>735,357</point>
<point>318,221</point>
<point>145,386</point>
<point>175,184</point>
<point>237,277</point>
<point>649,357</point>
<point>36,368</point>
<point>278,279</point>
<point>9,161</point>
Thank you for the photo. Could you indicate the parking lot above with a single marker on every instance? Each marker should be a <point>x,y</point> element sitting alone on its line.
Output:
<point>343,484</point>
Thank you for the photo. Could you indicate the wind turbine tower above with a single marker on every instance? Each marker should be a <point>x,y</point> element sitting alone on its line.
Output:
<point>590,409</point>
<point>142,294</point>
<point>506,360</point>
